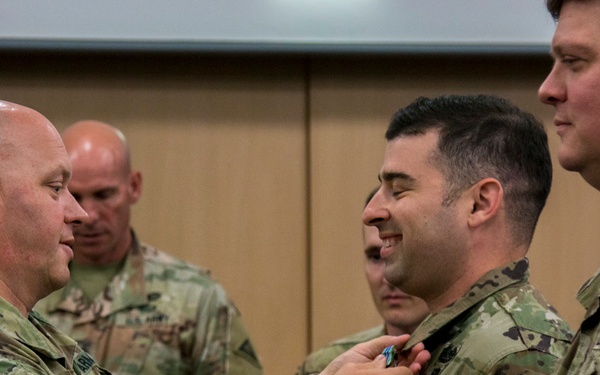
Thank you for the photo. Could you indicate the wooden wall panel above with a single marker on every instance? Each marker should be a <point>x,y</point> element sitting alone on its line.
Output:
<point>351,104</point>
<point>221,144</point>
<point>347,144</point>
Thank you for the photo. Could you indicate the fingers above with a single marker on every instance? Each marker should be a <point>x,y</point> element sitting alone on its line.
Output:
<point>366,358</point>
<point>375,367</point>
<point>423,356</point>
<point>418,354</point>
<point>415,368</point>
<point>415,359</point>
<point>373,348</point>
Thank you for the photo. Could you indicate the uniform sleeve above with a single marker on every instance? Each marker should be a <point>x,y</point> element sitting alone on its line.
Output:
<point>12,368</point>
<point>222,345</point>
<point>243,359</point>
<point>19,362</point>
<point>33,357</point>
<point>8,367</point>
<point>17,359</point>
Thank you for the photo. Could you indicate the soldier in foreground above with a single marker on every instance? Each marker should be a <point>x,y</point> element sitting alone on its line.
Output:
<point>37,218</point>
<point>463,183</point>
<point>572,89</point>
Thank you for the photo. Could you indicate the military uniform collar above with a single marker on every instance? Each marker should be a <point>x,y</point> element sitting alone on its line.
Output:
<point>35,333</point>
<point>488,284</point>
<point>125,290</point>
<point>589,295</point>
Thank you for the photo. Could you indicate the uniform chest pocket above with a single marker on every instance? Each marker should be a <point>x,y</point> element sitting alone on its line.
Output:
<point>145,343</point>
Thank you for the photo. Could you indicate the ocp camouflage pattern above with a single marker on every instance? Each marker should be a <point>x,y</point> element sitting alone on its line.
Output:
<point>502,325</point>
<point>158,316</point>
<point>33,346</point>
<point>583,357</point>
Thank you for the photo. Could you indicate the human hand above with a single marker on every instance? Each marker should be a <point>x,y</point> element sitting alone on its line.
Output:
<point>366,358</point>
<point>374,367</point>
<point>415,358</point>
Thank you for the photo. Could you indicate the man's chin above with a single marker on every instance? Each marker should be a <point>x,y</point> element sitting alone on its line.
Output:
<point>88,243</point>
<point>84,254</point>
<point>58,282</point>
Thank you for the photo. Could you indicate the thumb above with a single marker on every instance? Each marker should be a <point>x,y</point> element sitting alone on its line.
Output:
<point>378,362</point>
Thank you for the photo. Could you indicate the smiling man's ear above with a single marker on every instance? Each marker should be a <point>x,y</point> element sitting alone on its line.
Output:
<point>487,196</point>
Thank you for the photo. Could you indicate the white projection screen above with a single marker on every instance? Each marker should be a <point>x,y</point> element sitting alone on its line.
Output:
<point>285,26</point>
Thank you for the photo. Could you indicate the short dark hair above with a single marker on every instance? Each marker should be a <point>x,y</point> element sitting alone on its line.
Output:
<point>484,136</point>
<point>554,7</point>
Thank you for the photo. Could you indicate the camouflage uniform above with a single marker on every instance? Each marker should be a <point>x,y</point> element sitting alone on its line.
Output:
<point>583,357</point>
<point>501,326</point>
<point>158,315</point>
<point>319,359</point>
<point>32,346</point>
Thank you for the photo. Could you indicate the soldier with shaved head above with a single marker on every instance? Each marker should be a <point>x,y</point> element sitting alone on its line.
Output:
<point>133,307</point>
<point>37,218</point>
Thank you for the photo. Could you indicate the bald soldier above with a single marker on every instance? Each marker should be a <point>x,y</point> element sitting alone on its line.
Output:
<point>37,219</point>
<point>134,308</point>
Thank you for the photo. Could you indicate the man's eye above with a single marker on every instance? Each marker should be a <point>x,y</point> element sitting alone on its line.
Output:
<point>397,193</point>
<point>103,195</point>
<point>57,188</point>
<point>570,60</point>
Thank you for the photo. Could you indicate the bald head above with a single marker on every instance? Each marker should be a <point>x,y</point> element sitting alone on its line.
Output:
<point>37,212</point>
<point>105,186</point>
<point>10,110</point>
<point>95,140</point>
<point>21,128</point>
<point>20,124</point>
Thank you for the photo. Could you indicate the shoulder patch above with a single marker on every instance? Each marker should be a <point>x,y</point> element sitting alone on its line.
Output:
<point>83,363</point>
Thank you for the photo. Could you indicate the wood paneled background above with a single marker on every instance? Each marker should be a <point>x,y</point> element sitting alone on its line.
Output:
<point>257,167</point>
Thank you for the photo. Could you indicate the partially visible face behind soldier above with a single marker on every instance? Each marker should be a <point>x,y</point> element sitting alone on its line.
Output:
<point>402,312</point>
